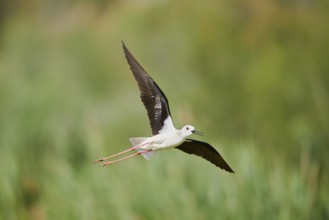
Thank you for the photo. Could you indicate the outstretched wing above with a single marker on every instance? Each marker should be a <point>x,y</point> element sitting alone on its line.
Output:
<point>154,100</point>
<point>205,151</point>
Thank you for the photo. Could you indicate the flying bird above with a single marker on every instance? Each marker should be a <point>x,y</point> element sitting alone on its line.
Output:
<point>165,135</point>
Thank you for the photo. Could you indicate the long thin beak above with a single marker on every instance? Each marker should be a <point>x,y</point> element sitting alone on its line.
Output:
<point>197,132</point>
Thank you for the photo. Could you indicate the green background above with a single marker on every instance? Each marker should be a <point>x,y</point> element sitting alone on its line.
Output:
<point>252,75</point>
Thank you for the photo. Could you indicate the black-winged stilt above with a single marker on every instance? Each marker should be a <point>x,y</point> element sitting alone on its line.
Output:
<point>165,135</point>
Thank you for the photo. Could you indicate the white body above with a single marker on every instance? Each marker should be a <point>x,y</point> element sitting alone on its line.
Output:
<point>168,137</point>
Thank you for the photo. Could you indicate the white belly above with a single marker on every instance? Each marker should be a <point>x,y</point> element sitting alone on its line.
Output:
<point>163,141</point>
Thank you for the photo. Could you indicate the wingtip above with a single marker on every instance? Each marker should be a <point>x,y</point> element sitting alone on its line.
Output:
<point>125,49</point>
<point>229,170</point>
<point>123,43</point>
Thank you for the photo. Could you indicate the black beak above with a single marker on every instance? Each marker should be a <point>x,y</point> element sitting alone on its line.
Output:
<point>197,132</point>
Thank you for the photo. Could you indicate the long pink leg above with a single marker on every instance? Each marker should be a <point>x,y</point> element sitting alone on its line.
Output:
<point>118,154</point>
<point>124,158</point>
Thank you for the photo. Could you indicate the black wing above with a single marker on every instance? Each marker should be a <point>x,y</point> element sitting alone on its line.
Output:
<point>205,151</point>
<point>154,100</point>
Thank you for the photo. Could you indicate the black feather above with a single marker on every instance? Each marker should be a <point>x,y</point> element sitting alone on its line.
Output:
<point>206,151</point>
<point>154,100</point>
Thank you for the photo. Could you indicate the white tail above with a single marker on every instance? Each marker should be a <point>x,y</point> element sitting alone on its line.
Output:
<point>139,140</point>
<point>135,141</point>
<point>147,155</point>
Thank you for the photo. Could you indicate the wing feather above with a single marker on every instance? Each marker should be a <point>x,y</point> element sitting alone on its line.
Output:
<point>153,98</point>
<point>206,151</point>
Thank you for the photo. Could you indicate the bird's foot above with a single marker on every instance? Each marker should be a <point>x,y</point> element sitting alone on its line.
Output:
<point>106,164</point>
<point>99,160</point>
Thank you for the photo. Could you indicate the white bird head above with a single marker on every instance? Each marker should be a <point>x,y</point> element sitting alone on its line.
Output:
<point>187,130</point>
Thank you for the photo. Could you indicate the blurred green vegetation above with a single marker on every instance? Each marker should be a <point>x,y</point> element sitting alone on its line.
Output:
<point>252,75</point>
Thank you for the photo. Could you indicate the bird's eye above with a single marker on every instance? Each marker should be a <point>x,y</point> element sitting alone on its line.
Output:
<point>187,128</point>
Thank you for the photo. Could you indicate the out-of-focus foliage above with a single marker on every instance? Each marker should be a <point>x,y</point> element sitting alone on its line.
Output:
<point>253,75</point>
